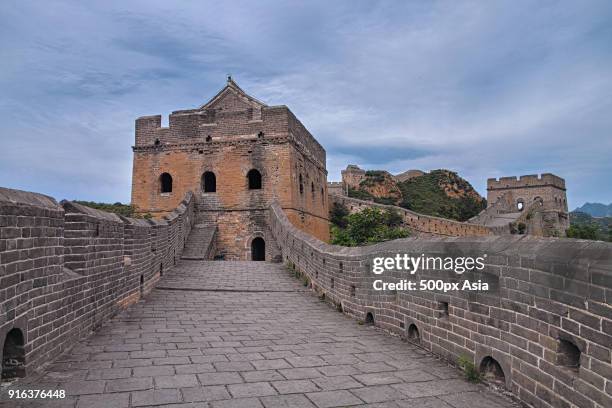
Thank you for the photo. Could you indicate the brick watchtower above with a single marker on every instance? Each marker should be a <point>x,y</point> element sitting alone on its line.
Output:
<point>545,195</point>
<point>237,155</point>
<point>547,188</point>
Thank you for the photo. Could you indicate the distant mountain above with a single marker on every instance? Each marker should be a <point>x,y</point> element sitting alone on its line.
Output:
<point>596,209</point>
<point>441,193</point>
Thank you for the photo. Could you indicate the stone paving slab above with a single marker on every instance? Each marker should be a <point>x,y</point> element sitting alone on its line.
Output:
<point>246,334</point>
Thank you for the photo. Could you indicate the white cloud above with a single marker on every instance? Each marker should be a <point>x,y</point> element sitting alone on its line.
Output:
<point>487,89</point>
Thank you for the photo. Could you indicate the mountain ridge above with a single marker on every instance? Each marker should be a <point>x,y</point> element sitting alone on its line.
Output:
<point>595,209</point>
<point>442,193</point>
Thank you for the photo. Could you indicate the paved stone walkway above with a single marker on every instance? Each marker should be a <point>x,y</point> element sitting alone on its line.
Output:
<point>194,346</point>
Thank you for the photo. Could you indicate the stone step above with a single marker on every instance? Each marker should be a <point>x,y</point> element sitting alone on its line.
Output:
<point>199,241</point>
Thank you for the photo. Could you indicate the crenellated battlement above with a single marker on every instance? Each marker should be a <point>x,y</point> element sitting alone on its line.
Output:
<point>519,194</point>
<point>353,175</point>
<point>335,188</point>
<point>530,180</point>
<point>237,154</point>
<point>70,267</point>
<point>207,125</point>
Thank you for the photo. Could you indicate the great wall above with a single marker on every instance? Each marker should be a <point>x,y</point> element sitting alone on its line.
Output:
<point>536,203</point>
<point>546,321</point>
<point>70,274</point>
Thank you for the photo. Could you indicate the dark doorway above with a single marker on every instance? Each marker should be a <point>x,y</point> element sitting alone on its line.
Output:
<point>209,182</point>
<point>254,177</point>
<point>258,249</point>
<point>165,181</point>
<point>13,355</point>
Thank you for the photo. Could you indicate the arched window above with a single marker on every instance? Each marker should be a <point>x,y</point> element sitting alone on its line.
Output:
<point>165,181</point>
<point>209,182</point>
<point>258,249</point>
<point>301,185</point>
<point>254,177</point>
<point>13,355</point>
<point>312,189</point>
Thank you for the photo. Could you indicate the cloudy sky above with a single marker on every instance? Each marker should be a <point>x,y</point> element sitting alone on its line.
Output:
<point>484,88</point>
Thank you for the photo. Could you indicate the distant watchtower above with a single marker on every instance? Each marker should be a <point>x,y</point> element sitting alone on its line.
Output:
<point>546,193</point>
<point>352,176</point>
<point>237,155</point>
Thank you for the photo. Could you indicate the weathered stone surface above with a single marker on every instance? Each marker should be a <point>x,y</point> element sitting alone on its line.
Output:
<point>416,222</point>
<point>246,319</point>
<point>66,271</point>
<point>228,137</point>
<point>532,330</point>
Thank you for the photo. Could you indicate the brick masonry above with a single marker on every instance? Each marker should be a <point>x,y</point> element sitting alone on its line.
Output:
<point>418,223</point>
<point>246,334</point>
<point>229,136</point>
<point>546,187</point>
<point>540,200</point>
<point>66,269</point>
<point>542,212</point>
<point>544,292</point>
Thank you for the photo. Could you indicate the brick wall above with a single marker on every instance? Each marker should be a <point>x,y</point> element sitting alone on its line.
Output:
<point>548,188</point>
<point>545,294</point>
<point>335,188</point>
<point>416,222</point>
<point>352,176</point>
<point>66,269</point>
<point>229,136</point>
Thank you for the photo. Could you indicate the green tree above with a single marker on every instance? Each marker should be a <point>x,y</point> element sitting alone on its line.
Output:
<point>427,194</point>
<point>126,210</point>
<point>338,215</point>
<point>585,231</point>
<point>368,227</point>
<point>360,194</point>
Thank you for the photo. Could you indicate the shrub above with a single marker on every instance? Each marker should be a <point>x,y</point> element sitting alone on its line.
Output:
<point>586,231</point>
<point>126,210</point>
<point>338,214</point>
<point>368,227</point>
<point>426,194</point>
<point>360,194</point>
<point>469,369</point>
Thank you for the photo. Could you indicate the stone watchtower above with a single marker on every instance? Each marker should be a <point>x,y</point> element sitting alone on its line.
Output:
<point>237,155</point>
<point>352,176</point>
<point>545,195</point>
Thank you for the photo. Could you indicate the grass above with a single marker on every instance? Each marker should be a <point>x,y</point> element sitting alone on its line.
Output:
<point>469,369</point>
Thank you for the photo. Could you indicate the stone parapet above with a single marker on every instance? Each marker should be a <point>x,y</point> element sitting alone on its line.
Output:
<point>417,222</point>
<point>66,269</point>
<point>546,321</point>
